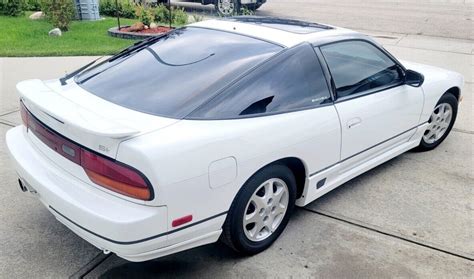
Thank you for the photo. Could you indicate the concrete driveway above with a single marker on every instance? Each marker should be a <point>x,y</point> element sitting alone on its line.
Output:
<point>441,18</point>
<point>411,217</point>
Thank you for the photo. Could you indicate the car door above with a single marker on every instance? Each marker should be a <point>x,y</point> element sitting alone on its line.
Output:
<point>377,109</point>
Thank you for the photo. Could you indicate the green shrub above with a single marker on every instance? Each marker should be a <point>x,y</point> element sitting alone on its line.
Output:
<point>126,8</point>
<point>106,7</point>
<point>144,14</point>
<point>246,11</point>
<point>162,14</point>
<point>180,17</point>
<point>59,12</point>
<point>11,7</point>
<point>32,5</point>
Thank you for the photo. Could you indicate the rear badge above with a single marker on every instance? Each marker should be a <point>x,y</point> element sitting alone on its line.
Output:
<point>103,148</point>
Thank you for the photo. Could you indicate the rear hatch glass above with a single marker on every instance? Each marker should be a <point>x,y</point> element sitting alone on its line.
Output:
<point>179,72</point>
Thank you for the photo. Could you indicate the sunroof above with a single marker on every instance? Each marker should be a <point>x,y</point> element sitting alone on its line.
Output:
<point>289,25</point>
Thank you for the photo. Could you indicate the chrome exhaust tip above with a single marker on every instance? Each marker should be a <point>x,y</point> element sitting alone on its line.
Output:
<point>22,187</point>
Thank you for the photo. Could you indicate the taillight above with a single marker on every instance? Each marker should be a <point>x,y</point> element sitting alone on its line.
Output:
<point>101,170</point>
<point>115,176</point>
<point>24,114</point>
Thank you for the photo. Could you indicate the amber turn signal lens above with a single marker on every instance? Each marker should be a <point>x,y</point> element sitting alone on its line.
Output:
<point>119,187</point>
<point>115,176</point>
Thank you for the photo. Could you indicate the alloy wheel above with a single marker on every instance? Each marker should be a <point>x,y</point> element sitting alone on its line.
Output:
<point>439,123</point>
<point>226,7</point>
<point>266,209</point>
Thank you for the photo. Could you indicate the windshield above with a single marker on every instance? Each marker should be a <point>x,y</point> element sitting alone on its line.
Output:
<point>178,72</point>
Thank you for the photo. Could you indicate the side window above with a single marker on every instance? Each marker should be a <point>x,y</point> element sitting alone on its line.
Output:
<point>358,66</point>
<point>291,81</point>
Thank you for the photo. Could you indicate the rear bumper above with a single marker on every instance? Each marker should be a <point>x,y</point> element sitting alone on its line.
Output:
<point>132,231</point>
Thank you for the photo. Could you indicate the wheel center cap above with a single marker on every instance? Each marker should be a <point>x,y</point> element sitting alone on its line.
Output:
<point>226,3</point>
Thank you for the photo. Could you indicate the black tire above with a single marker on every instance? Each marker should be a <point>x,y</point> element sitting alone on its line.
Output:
<point>224,13</point>
<point>253,7</point>
<point>233,230</point>
<point>447,98</point>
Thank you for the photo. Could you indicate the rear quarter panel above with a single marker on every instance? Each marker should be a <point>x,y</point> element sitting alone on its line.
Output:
<point>177,159</point>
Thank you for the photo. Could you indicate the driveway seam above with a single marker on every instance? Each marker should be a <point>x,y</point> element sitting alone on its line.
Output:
<point>3,122</point>
<point>90,266</point>
<point>463,131</point>
<point>361,30</point>
<point>6,113</point>
<point>429,49</point>
<point>372,228</point>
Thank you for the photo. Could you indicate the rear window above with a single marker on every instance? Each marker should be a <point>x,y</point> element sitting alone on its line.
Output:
<point>178,73</point>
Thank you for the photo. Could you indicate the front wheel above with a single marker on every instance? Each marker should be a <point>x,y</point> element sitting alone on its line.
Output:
<point>440,123</point>
<point>261,210</point>
<point>227,7</point>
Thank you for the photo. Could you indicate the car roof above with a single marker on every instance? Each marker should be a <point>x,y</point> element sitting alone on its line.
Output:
<point>285,32</point>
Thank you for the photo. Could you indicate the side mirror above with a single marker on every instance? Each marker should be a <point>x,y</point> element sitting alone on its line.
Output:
<point>413,78</point>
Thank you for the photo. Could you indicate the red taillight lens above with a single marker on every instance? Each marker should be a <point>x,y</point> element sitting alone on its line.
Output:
<point>24,114</point>
<point>59,144</point>
<point>101,170</point>
<point>114,176</point>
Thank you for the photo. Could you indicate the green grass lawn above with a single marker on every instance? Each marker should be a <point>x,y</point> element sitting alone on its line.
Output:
<point>20,36</point>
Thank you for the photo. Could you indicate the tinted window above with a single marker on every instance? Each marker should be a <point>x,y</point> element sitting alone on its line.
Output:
<point>358,66</point>
<point>291,81</point>
<point>178,73</point>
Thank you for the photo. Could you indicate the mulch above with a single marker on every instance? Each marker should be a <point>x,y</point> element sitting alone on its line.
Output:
<point>156,30</point>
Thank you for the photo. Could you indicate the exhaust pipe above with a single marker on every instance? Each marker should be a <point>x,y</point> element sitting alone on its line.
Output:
<point>22,187</point>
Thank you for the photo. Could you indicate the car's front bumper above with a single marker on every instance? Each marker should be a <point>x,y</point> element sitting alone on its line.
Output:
<point>132,231</point>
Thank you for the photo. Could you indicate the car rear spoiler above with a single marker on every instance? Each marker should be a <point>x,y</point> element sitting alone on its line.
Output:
<point>75,117</point>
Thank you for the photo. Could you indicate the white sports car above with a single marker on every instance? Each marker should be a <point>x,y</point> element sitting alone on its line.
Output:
<point>218,129</point>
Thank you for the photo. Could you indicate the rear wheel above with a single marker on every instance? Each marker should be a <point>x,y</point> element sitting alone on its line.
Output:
<point>261,210</point>
<point>227,7</point>
<point>440,123</point>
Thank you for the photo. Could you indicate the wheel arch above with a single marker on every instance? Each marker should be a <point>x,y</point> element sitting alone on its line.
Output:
<point>456,91</point>
<point>297,167</point>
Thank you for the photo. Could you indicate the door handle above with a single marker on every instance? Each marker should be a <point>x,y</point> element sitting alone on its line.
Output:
<point>354,122</point>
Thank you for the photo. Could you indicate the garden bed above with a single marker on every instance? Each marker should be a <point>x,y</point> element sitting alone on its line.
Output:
<point>126,33</point>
